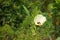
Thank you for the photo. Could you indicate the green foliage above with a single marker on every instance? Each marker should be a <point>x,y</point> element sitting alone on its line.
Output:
<point>17,19</point>
<point>58,38</point>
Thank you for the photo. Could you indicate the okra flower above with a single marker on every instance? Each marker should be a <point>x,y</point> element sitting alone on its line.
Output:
<point>39,20</point>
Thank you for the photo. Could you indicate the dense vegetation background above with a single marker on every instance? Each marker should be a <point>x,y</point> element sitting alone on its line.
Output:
<point>17,19</point>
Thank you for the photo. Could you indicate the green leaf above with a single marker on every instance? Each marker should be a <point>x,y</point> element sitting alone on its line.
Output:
<point>8,29</point>
<point>27,12</point>
<point>35,11</point>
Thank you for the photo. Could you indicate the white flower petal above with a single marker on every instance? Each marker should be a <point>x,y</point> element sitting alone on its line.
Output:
<point>39,19</point>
